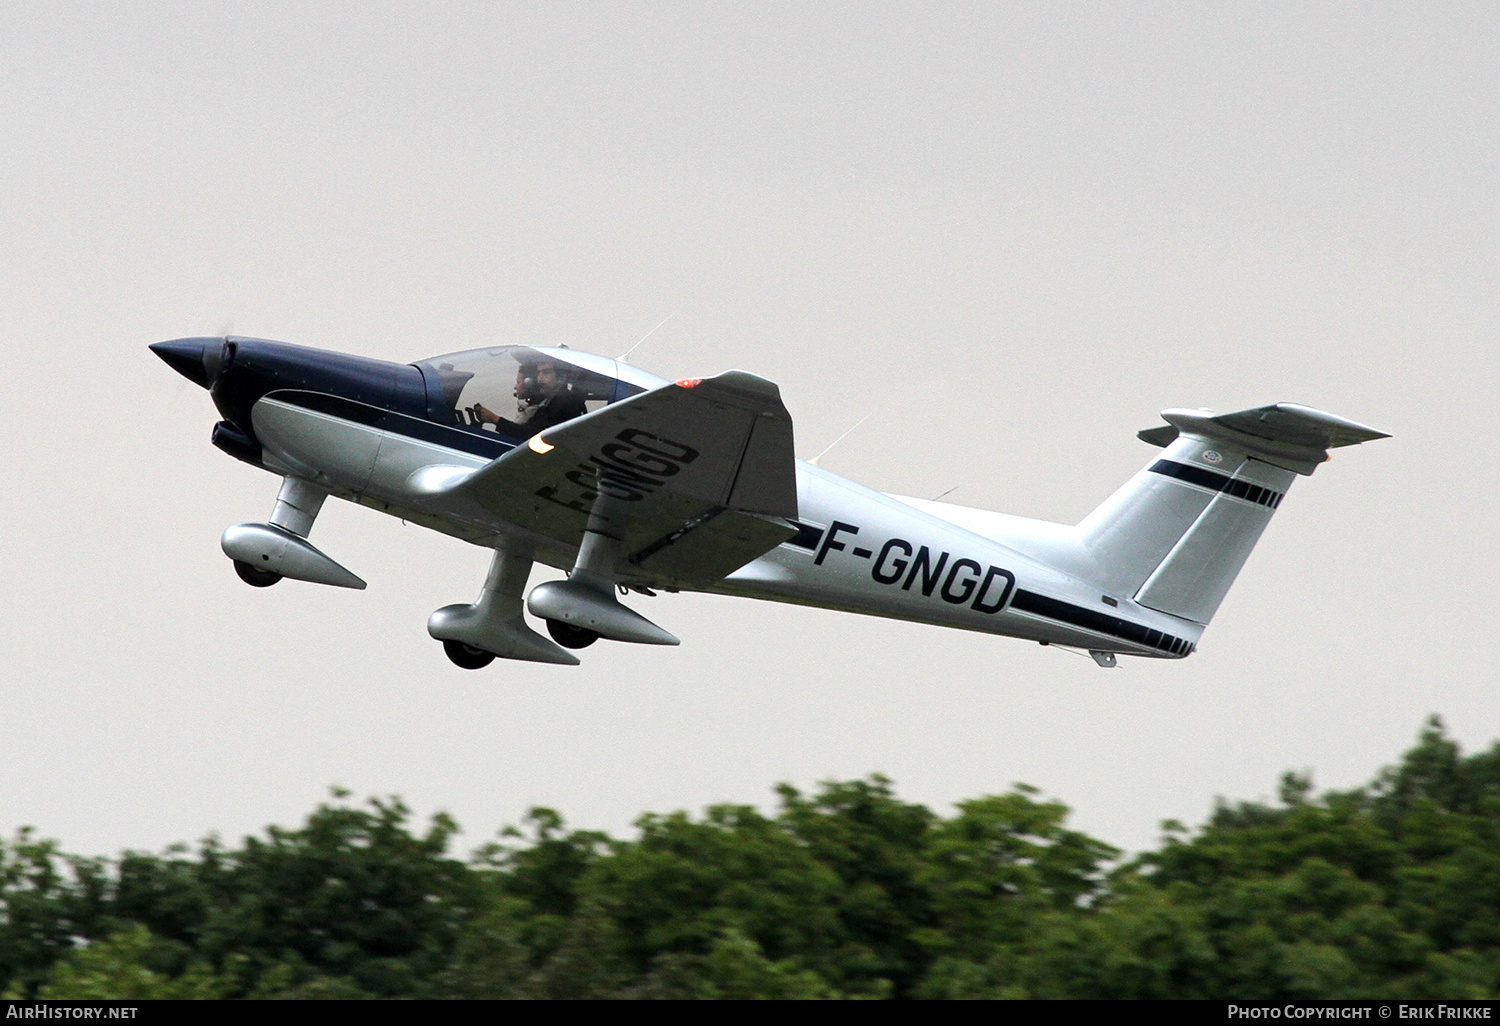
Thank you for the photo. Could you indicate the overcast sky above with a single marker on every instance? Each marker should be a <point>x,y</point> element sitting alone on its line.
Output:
<point>1008,233</point>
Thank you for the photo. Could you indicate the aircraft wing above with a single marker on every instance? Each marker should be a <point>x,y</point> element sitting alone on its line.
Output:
<point>697,478</point>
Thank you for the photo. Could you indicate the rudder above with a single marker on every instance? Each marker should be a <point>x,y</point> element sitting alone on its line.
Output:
<point>1176,535</point>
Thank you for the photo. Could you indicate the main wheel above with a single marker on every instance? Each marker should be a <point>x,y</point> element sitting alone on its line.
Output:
<point>568,636</point>
<point>254,575</point>
<point>467,656</point>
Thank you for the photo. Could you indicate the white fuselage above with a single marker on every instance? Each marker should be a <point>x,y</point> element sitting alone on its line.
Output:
<point>860,551</point>
<point>634,484</point>
<point>891,556</point>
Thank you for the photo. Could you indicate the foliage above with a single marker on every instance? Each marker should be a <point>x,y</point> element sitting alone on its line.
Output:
<point>1390,891</point>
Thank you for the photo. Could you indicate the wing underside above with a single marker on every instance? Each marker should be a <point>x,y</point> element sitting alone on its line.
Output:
<point>695,478</point>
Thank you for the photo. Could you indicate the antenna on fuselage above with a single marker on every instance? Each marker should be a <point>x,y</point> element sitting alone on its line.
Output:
<point>840,438</point>
<point>643,338</point>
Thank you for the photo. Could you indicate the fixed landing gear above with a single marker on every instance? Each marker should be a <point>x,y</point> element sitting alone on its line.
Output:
<point>568,636</point>
<point>265,553</point>
<point>584,606</point>
<point>467,656</point>
<point>254,575</point>
<point>492,626</point>
<point>578,611</point>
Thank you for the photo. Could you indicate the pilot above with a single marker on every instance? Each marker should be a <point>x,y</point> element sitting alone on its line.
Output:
<point>547,403</point>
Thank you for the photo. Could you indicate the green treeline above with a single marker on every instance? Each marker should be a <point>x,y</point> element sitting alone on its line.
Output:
<point>1392,890</point>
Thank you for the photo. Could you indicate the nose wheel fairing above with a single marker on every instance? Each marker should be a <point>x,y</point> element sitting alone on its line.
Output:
<point>265,553</point>
<point>271,549</point>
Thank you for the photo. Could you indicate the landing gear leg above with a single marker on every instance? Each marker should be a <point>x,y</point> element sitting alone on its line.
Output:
<point>265,553</point>
<point>297,506</point>
<point>585,603</point>
<point>493,625</point>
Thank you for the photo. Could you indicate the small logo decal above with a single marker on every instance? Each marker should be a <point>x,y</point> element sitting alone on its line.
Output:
<point>1212,457</point>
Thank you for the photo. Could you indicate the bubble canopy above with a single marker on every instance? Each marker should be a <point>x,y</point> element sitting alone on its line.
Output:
<point>516,391</point>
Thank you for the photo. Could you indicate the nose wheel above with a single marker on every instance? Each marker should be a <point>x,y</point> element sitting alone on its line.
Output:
<point>467,656</point>
<point>568,636</point>
<point>254,575</point>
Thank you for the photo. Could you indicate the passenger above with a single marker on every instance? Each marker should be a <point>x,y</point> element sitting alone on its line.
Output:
<point>547,403</point>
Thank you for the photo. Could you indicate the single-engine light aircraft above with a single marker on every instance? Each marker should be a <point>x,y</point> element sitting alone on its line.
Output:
<point>635,484</point>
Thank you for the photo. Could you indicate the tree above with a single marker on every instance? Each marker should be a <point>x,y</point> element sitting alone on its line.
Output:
<point>1389,891</point>
<point>37,909</point>
<point>121,969</point>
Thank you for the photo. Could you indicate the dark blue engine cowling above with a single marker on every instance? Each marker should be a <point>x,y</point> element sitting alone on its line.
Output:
<point>239,371</point>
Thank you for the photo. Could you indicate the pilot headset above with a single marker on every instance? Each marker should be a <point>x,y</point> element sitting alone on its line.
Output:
<point>530,391</point>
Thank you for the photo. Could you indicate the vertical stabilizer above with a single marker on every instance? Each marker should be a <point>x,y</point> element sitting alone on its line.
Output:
<point>1176,535</point>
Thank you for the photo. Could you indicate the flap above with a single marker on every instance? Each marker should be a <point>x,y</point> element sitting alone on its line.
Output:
<point>695,477</point>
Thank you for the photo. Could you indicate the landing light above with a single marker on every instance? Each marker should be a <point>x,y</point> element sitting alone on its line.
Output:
<point>538,446</point>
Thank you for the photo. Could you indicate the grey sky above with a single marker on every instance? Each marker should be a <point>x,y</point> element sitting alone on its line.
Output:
<point>1011,232</point>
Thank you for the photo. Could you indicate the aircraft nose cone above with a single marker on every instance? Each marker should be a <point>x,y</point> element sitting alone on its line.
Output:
<point>196,359</point>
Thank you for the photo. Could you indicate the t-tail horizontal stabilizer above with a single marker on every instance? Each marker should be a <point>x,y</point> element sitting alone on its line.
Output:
<point>1176,535</point>
<point>1296,438</point>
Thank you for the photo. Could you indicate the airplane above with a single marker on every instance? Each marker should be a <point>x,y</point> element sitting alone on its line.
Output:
<point>636,485</point>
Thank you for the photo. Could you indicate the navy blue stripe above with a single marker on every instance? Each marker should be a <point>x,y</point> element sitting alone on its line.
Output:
<point>807,536</point>
<point>470,440</point>
<point>1255,493</point>
<point>1099,623</point>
